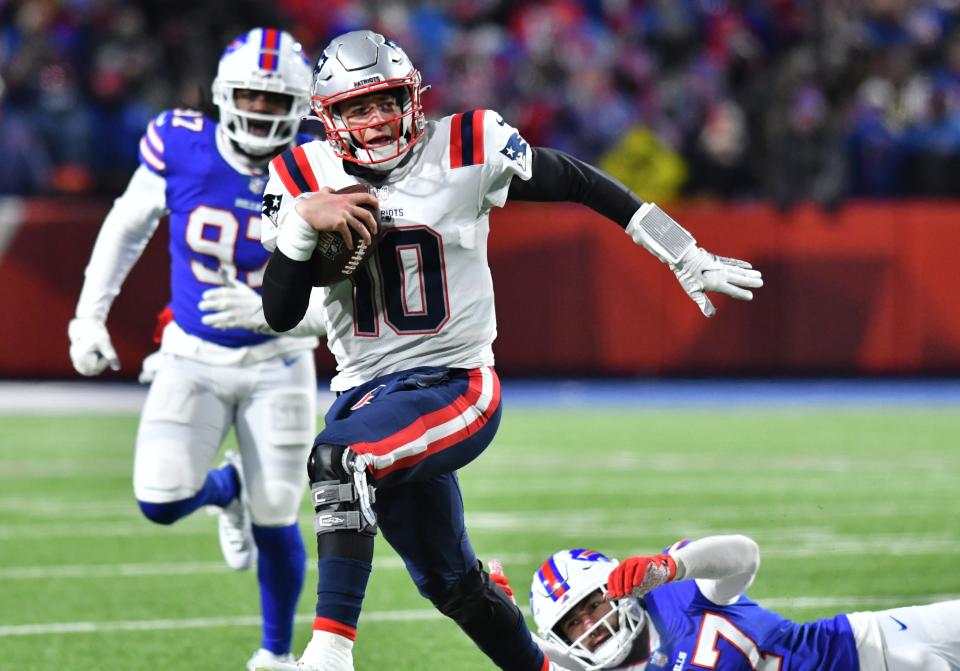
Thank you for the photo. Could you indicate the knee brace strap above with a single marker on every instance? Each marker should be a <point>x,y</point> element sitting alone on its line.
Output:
<point>342,499</point>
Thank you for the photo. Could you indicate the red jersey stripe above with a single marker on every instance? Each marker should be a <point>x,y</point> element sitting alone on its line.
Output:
<point>301,157</point>
<point>456,151</point>
<point>285,177</point>
<point>478,136</point>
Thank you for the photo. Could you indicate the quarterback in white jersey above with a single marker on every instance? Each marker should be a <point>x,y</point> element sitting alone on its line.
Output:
<point>429,300</point>
<point>413,330</point>
<point>220,365</point>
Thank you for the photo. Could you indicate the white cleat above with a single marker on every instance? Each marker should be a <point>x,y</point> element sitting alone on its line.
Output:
<point>264,660</point>
<point>327,652</point>
<point>236,535</point>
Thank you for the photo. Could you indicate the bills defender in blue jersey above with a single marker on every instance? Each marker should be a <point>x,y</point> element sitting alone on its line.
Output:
<point>220,366</point>
<point>685,610</point>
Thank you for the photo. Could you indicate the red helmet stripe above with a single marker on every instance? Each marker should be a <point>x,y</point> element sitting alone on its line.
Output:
<point>269,44</point>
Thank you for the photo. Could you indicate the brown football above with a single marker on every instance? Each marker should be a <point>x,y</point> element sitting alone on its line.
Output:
<point>332,262</point>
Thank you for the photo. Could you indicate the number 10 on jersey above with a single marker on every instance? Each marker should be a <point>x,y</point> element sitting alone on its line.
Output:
<point>409,270</point>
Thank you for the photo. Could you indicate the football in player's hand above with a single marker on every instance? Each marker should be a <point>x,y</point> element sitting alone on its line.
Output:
<point>332,261</point>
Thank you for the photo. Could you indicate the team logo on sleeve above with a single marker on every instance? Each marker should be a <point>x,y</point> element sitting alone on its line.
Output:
<point>257,184</point>
<point>271,206</point>
<point>516,150</point>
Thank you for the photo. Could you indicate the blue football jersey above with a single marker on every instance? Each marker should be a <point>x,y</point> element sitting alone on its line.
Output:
<point>214,218</point>
<point>696,633</point>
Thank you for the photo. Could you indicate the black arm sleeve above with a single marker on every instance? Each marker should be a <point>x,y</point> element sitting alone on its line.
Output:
<point>558,176</point>
<point>286,291</point>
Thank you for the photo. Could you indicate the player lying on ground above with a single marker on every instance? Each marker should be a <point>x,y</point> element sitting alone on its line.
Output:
<point>413,331</point>
<point>220,365</point>
<point>685,609</point>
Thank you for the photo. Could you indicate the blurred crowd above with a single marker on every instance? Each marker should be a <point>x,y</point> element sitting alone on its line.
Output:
<point>783,99</point>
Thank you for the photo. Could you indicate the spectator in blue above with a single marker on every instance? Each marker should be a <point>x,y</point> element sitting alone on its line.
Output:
<point>25,167</point>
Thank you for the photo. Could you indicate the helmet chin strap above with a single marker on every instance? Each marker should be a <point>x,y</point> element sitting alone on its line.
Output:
<point>391,163</point>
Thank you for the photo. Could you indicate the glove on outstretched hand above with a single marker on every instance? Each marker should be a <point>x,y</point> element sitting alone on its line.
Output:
<point>495,568</point>
<point>699,271</point>
<point>635,576</point>
<point>90,348</point>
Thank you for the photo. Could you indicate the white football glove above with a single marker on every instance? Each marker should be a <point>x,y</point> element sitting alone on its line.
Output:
<point>697,269</point>
<point>700,271</point>
<point>234,306</point>
<point>90,348</point>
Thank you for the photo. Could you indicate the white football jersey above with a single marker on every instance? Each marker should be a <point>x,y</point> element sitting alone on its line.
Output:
<point>426,297</point>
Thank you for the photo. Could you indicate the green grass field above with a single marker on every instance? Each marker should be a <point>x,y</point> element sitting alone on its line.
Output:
<point>853,510</point>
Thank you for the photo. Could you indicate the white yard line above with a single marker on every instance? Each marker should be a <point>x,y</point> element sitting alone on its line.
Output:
<point>81,397</point>
<point>420,614</point>
<point>196,623</point>
<point>801,546</point>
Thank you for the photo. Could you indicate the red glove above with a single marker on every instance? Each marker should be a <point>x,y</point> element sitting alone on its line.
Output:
<point>635,576</point>
<point>499,577</point>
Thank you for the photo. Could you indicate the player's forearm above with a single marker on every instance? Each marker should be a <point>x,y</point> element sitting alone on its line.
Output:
<point>286,291</point>
<point>313,322</point>
<point>557,176</point>
<point>125,232</point>
<point>724,566</point>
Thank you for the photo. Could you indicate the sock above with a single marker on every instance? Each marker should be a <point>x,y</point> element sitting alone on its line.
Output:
<point>340,590</point>
<point>221,486</point>
<point>280,570</point>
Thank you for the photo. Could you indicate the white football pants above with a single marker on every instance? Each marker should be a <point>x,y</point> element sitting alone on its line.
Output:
<point>916,638</point>
<point>189,410</point>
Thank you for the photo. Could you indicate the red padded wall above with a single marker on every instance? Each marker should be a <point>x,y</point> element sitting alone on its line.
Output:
<point>867,289</point>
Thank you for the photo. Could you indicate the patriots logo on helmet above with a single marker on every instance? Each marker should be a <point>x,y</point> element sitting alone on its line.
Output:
<point>516,150</point>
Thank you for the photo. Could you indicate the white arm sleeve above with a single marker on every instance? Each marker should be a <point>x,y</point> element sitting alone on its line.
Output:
<point>723,566</point>
<point>125,232</point>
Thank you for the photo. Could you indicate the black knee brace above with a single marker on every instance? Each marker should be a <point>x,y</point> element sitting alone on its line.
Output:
<point>491,619</point>
<point>342,499</point>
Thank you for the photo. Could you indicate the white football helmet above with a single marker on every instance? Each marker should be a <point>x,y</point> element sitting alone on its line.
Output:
<point>357,64</point>
<point>562,582</point>
<point>264,59</point>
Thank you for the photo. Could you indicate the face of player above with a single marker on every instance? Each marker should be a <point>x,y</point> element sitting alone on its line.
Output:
<point>377,117</point>
<point>585,615</point>
<point>261,102</point>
